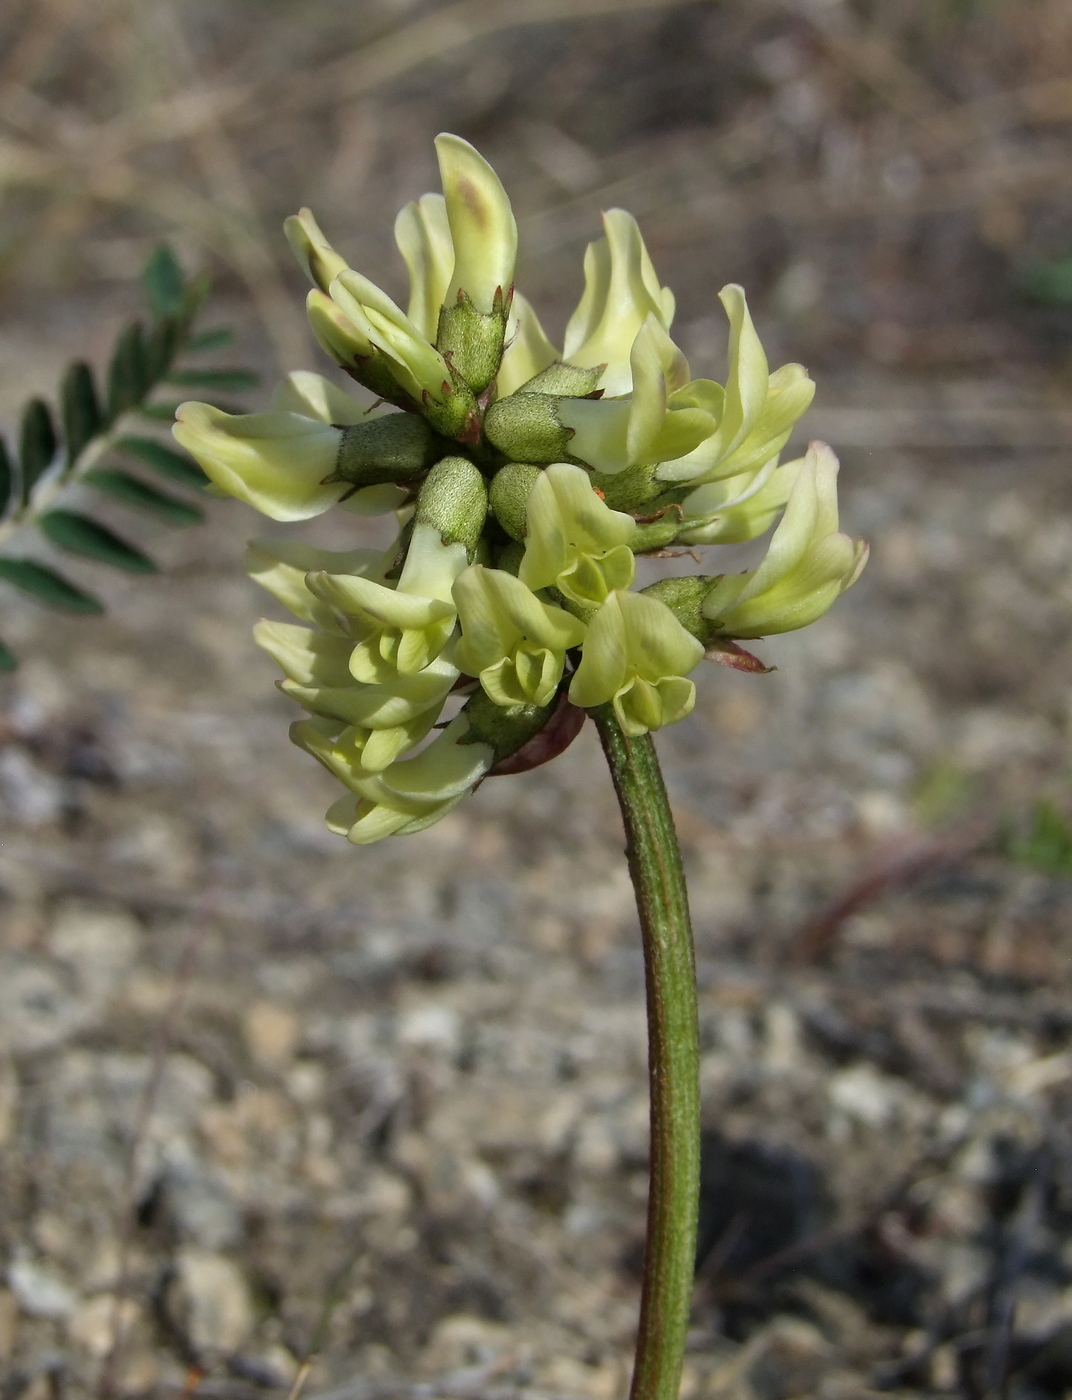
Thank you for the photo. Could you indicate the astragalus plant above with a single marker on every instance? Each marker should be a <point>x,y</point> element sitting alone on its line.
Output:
<point>525,481</point>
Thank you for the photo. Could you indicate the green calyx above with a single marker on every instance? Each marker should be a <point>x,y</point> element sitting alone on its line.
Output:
<point>526,427</point>
<point>684,597</point>
<point>396,447</point>
<point>631,489</point>
<point>472,341</point>
<point>567,381</point>
<point>505,728</point>
<point>454,412</point>
<point>656,534</point>
<point>454,499</point>
<point>509,490</point>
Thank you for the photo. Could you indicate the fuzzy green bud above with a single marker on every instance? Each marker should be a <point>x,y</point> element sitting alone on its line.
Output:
<point>568,381</point>
<point>508,493</point>
<point>396,447</point>
<point>454,499</point>
<point>528,429</point>
<point>684,597</point>
<point>631,489</point>
<point>473,341</point>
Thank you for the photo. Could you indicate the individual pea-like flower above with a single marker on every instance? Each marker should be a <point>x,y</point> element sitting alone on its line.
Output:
<point>292,465</point>
<point>276,462</point>
<point>512,641</point>
<point>621,290</point>
<point>574,541</point>
<point>406,627</point>
<point>637,656</point>
<point>755,412</point>
<point>807,565</point>
<point>411,793</point>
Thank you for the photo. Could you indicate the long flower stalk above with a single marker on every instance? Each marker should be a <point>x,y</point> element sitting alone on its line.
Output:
<point>673,1058</point>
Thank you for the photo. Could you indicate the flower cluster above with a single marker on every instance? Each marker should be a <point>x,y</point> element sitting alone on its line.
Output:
<point>525,482</point>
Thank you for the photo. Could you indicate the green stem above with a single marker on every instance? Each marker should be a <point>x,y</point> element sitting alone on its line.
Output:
<point>673,1058</point>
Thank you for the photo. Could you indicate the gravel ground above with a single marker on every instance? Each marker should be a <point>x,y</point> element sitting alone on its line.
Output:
<point>263,1095</point>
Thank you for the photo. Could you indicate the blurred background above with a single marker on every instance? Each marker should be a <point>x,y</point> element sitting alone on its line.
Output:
<point>266,1099</point>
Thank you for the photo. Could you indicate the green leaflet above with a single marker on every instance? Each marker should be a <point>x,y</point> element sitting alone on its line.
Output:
<point>164,459</point>
<point>165,286</point>
<point>37,444</point>
<point>47,586</point>
<point>81,408</point>
<point>8,660</point>
<point>128,373</point>
<point>7,477</point>
<point>133,492</point>
<point>69,530</point>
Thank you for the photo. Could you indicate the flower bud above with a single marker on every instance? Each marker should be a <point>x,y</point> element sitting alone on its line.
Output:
<point>317,257</point>
<point>508,494</point>
<point>807,565</point>
<point>415,363</point>
<point>527,428</point>
<point>422,233</point>
<point>527,352</point>
<point>349,347</point>
<point>636,656</point>
<point>454,501</point>
<point>514,643</point>
<point>472,324</point>
<point>482,227</point>
<point>275,462</point>
<point>574,542</point>
<point>621,290</point>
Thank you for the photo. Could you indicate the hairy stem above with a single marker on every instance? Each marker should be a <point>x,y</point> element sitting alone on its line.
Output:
<point>673,1058</point>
